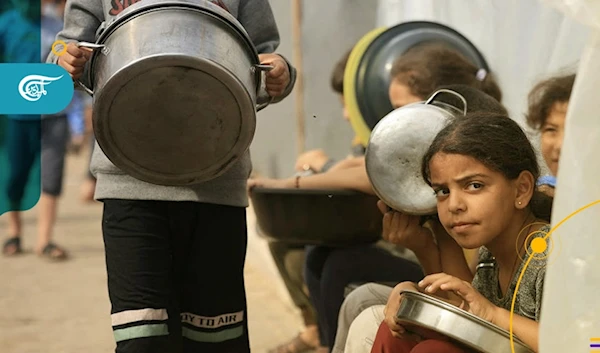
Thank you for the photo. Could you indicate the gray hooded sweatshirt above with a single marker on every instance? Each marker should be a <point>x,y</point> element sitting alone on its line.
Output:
<point>82,20</point>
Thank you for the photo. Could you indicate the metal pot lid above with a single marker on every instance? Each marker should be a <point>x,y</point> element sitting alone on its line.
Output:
<point>430,313</point>
<point>371,71</point>
<point>359,125</point>
<point>396,149</point>
<point>196,143</point>
<point>146,6</point>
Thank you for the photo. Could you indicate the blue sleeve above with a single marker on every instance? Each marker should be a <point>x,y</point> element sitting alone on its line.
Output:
<point>547,180</point>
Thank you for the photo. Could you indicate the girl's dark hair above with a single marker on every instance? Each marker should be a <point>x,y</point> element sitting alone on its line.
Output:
<point>543,96</point>
<point>425,67</point>
<point>496,141</point>
<point>337,75</point>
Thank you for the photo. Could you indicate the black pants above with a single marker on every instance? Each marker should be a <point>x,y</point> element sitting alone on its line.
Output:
<point>175,276</point>
<point>329,270</point>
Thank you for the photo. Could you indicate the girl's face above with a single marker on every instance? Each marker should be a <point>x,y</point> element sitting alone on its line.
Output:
<point>475,204</point>
<point>401,95</point>
<point>553,134</point>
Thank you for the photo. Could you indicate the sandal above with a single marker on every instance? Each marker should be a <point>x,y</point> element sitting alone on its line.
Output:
<point>295,345</point>
<point>53,252</point>
<point>12,246</point>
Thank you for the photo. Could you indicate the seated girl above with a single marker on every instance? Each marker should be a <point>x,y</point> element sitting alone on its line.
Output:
<point>483,170</point>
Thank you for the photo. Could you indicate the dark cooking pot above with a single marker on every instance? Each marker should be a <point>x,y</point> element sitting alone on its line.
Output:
<point>368,73</point>
<point>317,217</point>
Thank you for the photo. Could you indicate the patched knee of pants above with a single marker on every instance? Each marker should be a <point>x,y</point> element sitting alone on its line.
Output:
<point>141,323</point>
<point>212,329</point>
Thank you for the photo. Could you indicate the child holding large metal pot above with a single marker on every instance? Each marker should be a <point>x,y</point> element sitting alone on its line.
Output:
<point>175,254</point>
<point>548,103</point>
<point>483,170</point>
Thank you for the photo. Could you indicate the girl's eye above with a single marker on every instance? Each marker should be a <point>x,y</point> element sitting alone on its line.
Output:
<point>474,186</point>
<point>441,192</point>
<point>548,130</point>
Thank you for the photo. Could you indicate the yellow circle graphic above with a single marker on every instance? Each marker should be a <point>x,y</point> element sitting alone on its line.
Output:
<point>62,51</point>
<point>541,242</point>
<point>535,246</point>
<point>538,245</point>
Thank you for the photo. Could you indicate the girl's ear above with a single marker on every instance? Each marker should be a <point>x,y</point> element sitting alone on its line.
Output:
<point>525,186</point>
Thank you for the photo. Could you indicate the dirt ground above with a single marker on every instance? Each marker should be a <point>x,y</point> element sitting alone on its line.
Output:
<point>64,308</point>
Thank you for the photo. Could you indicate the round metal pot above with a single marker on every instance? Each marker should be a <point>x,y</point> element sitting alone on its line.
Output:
<point>176,86</point>
<point>317,217</point>
<point>396,148</point>
<point>368,73</point>
<point>420,313</point>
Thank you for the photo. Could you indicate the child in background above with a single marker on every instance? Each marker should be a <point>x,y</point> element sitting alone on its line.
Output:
<point>548,104</point>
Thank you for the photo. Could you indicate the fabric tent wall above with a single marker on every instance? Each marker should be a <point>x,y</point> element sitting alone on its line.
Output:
<point>522,40</point>
<point>329,29</point>
<point>570,303</point>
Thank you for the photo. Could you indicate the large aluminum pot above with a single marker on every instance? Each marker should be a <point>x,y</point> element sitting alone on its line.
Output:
<point>396,148</point>
<point>368,73</point>
<point>420,313</point>
<point>317,217</point>
<point>176,85</point>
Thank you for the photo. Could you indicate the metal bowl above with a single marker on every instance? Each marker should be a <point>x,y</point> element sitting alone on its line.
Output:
<point>317,217</point>
<point>370,71</point>
<point>426,312</point>
<point>396,149</point>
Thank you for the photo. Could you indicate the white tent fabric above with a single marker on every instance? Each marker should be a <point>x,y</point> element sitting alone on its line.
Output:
<point>523,41</point>
<point>571,308</point>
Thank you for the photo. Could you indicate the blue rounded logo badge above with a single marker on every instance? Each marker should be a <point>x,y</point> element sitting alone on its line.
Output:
<point>34,89</point>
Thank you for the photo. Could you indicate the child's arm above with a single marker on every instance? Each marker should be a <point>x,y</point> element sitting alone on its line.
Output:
<point>452,256</point>
<point>257,18</point>
<point>354,178</point>
<point>351,162</point>
<point>81,21</point>
<point>525,329</point>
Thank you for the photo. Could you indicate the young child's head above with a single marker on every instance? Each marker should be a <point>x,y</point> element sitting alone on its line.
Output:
<point>422,69</point>
<point>337,80</point>
<point>483,170</point>
<point>548,102</point>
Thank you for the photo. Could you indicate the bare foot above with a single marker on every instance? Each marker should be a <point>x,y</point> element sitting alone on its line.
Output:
<point>304,342</point>
<point>12,246</point>
<point>310,335</point>
<point>52,251</point>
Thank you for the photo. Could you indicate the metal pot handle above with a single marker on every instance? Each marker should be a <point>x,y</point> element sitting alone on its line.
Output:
<point>263,99</point>
<point>462,99</point>
<point>92,46</point>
